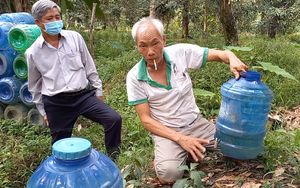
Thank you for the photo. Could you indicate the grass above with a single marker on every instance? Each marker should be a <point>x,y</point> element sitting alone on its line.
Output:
<point>24,146</point>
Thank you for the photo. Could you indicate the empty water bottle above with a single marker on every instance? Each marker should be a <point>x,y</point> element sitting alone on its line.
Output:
<point>21,36</point>
<point>35,117</point>
<point>9,90</point>
<point>7,58</point>
<point>25,95</point>
<point>4,29</point>
<point>20,67</point>
<point>241,124</point>
<point>18,112</point>
<point>75,164</point>
<point>17,17</point>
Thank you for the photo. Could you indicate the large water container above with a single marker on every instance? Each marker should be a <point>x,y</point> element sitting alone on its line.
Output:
<point>20,67</point>
<point>9,90</point>
<point>18,112</point>
<point>4,29</point>
<point>7,58</point>
<point>36,118</point>
<point>75,164</point>
<point>17,17</point>
<point>241,124</point>
<point>25,95</point>
<point>21,36</point>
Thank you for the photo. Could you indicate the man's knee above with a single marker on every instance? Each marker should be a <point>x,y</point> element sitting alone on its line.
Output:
<point>167,170</point>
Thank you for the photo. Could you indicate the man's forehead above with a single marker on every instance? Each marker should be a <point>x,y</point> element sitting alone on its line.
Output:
<point>149,32</point>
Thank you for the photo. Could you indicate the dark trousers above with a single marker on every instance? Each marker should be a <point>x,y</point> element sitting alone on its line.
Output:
<point>63,111</point>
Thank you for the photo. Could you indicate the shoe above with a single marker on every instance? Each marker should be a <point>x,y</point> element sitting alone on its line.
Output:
<point>113,153</point>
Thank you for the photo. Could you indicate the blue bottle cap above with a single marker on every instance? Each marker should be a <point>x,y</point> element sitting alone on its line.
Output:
<point>71,148</point>
<point>251,75</point>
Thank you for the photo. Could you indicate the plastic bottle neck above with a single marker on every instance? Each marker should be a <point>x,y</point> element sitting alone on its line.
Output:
<point>251,75</point>
<point>74,161</point>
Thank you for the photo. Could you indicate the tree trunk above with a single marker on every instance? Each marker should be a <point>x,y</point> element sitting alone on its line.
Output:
<point>152,8</point>
<point>262,27</point>
<point>273,27</point>
<point>21,5</point>
<point>228,23</point>
<point>185,19</point>
<point>4,7</point>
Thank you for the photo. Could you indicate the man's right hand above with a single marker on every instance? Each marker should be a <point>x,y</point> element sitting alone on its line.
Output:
<point>193,145</point>
<point>46,120</point>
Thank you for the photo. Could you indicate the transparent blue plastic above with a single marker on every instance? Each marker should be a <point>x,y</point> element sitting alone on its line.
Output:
<point>17,17</point>
<point>241,124</point>
<point>7,58</point>
<point>4,29</point>
<point>9,90</point>
<point>25,95</point>
<point>75,164</point>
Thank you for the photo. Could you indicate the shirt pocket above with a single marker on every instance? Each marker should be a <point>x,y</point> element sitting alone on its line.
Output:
<point>74,61</point>
<point>183,82</point>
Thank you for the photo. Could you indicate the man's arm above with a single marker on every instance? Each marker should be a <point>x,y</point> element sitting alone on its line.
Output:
<point>228,57</point>
<point>193,145</point>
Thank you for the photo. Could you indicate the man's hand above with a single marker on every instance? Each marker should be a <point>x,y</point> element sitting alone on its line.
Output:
<point>46,120</point>
<point>193,145</point>
<point>100,97</point>
<point>236,65</point>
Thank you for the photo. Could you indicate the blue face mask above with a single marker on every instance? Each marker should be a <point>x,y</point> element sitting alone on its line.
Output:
<point>53,28</point>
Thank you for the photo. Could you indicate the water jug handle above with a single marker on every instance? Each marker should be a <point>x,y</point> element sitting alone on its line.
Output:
<point>216,144</point>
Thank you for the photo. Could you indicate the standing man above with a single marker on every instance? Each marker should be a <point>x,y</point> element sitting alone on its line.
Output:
<point>63,79</point>
<point>160,88</point>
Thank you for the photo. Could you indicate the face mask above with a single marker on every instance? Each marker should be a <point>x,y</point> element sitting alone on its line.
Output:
<point>53,28</point>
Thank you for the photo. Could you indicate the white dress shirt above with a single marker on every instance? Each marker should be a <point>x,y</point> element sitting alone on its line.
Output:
<point>68,68</point>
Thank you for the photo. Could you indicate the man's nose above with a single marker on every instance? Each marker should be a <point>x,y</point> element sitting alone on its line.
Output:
<point>151,52</point>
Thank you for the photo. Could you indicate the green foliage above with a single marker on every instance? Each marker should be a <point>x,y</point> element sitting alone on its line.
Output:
<point>21,152</point>
<point>194,178</point>
<point>282,149</point>
<point>275,69</point>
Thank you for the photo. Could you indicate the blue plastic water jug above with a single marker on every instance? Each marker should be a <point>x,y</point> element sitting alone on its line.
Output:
<point>25,95</point>
<point>6,63</point>
<point>4,29</point>
<point>17,17</point>
<point>9,90</point>
<point>75,164</point>
<point>241,124</point>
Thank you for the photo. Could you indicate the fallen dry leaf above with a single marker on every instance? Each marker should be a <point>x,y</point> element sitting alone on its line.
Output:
<point>79,127</point>
<point>228,178</point>
<point>251,185</point>
<point>278,172</point>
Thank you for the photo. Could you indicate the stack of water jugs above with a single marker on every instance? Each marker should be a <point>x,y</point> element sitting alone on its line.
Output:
<point>17,32</point>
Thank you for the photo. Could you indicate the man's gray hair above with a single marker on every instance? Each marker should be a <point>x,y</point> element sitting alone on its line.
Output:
<point>41,7</point>
<point>144,22</point>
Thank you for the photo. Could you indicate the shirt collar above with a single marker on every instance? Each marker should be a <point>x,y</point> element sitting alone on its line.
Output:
<point>142,72</point>
<point>41,39</point>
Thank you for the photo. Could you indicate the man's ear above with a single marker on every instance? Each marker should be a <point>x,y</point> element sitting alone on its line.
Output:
<point>38,22</point>
<point>164,39</point>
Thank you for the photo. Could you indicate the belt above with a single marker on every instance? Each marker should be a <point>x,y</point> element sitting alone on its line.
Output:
<point>74,94</point>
